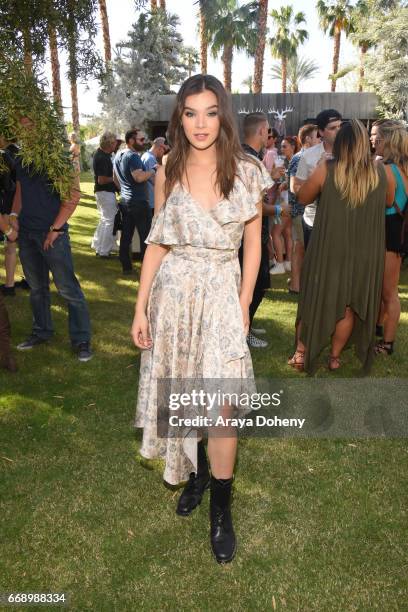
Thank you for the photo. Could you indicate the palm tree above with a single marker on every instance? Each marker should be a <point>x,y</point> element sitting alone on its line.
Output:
<point>288,36</point>
<point>248,82</point>
<point>206,10</point>
<point>55,67</point>
<point>153,5</point>
<point>232,28</point>
<point>298,69</point>
<point>260,48</point>
<point>360,17</point>
<point>105,30</point>
<point>163,4</point>
<point>190,58</point>
<point>335,18</point>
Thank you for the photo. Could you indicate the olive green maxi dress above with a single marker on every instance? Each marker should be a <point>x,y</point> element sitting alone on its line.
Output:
<point>343,266</point>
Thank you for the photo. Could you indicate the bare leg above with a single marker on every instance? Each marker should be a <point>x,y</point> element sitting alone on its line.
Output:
<point>391,301</point>
<point>10,261</point>
<point>298,253</point>
<point>277,242</point>
<point>287,236</point>
<point>222,448</point>
<point>342,333</point>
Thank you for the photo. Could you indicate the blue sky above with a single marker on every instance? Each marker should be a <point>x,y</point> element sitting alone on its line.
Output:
<point>319,48</point>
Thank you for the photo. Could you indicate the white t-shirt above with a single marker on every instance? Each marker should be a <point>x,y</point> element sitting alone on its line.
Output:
<point>307,164</point>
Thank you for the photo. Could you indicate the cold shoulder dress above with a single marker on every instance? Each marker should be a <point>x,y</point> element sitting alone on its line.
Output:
<point>343,266</point>
<point>193,309</point>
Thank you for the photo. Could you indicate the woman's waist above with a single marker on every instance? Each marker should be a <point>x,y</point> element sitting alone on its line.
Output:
<point>204,254</point>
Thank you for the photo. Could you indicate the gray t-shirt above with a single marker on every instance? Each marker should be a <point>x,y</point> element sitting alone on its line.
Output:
<point>307,164</point>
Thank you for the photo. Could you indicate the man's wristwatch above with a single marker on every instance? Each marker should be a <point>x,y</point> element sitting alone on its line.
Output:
<point>56,229</point>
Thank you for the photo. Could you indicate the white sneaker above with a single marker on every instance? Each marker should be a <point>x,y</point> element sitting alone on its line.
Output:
<point>255,342</point>
<point>288,266</point>
<point>278,269</point>
<point>260,331</point>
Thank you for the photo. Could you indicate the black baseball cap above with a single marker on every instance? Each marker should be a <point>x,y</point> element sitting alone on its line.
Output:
<point>326,116</point>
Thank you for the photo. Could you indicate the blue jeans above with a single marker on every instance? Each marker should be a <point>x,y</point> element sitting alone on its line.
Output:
<point>37,264</point>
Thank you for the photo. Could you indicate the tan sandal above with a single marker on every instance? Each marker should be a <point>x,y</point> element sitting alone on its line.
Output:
<point>298,360</point>
<point>334,363</point>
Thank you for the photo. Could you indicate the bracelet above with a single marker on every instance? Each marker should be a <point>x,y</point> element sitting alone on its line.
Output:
<point>9,231</point>
<point>278,210</point>
<point>13,214</point>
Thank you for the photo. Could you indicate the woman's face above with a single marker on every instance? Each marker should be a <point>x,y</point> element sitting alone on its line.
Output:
<point>376,141</point>
<point>287,149</point>
<point>200,120</point>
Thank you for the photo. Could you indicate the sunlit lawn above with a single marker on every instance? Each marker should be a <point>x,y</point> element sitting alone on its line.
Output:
<point>322,525</point>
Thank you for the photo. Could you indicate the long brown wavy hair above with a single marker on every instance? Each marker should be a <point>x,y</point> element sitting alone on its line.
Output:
<point>228,147</point>
<point>355,174</point>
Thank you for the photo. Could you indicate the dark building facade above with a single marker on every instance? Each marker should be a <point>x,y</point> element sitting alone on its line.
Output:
<point>286,112</point>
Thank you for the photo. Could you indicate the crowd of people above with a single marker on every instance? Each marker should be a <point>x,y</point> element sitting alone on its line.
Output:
<point>217,218</point>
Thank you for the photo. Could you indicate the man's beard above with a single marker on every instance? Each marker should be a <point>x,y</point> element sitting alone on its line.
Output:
<point>138,147</point>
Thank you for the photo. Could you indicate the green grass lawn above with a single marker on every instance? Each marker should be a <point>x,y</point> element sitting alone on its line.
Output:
<point>321,524</point>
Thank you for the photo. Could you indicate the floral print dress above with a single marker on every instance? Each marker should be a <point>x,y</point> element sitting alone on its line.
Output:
<point>193,310</point>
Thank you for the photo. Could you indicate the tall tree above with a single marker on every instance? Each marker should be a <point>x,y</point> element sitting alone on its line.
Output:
<point>362,14</point>
<point>232,28</point>
<point>55,67</point>
<point>23,27</point>
<point>260,48</point>
<point>149,63</point>
<point>386,66</point>
<point>190,58</point>
<point>105,31</point>
<point>288,37</point>
<point>335,17</point>
<point>298,69</point>
<point>206,10</point>
<point>78,29</point>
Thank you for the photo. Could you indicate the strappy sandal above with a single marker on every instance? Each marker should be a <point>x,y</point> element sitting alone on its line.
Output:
<point>298,360</point>
<point>384,348</point>
<point>334,363</point>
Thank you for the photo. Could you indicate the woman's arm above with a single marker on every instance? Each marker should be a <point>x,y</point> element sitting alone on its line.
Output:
<point>391,186</point>
<point>251,263</point>
<point>151,263</point>
<point>313,186</point>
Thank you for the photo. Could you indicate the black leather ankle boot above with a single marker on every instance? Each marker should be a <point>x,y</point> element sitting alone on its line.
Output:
<point>197,483</point>
<point>223,542</point>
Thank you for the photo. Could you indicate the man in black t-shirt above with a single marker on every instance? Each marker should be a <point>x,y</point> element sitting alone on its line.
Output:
<point>41,222</point>
<point>105,193</point>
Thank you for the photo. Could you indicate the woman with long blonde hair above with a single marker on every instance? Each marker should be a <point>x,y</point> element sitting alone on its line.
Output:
<point>391,142</point>
<point>343,268</point>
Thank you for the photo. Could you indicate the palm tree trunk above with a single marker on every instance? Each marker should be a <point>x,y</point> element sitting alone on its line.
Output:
<point>336,55</point>
<point>363,51</point>
<point>227,63</point>
<point>203,42</point>
<point>105,30</point>
<point>153,5</point>
<point>284,74</point>
<point>55,68</point>
<point>28,54</point>
<point>260,50</point>
<point>73,81</point>
<point>163,4</point>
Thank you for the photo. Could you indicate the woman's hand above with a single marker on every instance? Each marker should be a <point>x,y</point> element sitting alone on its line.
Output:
<point>140,331</point>
<point>245,314</point>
